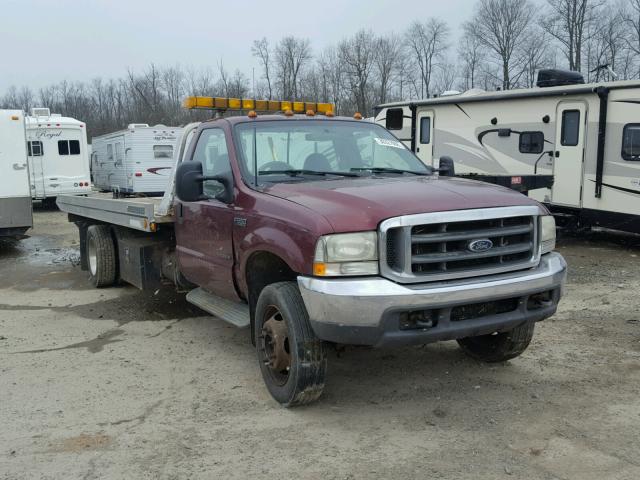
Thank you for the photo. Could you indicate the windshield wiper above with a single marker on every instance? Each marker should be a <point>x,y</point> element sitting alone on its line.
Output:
<point>388,170</point>
<point>297,172</point>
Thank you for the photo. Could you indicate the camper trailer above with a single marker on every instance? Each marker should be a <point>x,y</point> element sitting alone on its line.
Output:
<point>15,196</point>
<point>586,135</point>
<point>137,160</point>
<point>57,151</point>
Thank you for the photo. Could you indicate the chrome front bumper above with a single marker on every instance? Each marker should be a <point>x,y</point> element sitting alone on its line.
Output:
<point>367,310</point>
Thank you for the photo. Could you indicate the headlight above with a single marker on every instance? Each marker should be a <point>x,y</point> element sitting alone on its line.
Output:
<point>346,254</point>
<point>547,233</point>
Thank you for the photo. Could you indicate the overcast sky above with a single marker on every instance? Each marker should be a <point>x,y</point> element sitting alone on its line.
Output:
<point>46,41</point>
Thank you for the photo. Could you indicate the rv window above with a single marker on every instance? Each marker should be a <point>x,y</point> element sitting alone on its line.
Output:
<point>35,148</point>
<point>63,147</point>
<point>531,142</point>
<point>425,130</point>
<point>110,152</point>
<point>631,142</point>
<point>394,119</point>
<point>68,147</point>
<point>74,147</point>
<point>162,151</point>
<point>119,156</point>
<point>570,128</point>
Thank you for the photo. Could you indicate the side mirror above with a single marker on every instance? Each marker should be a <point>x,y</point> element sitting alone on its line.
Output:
<point>447,168</point>
<point>189,180</point>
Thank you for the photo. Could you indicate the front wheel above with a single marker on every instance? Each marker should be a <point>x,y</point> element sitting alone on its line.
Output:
<point>498,347</point>
<point>292,359</point>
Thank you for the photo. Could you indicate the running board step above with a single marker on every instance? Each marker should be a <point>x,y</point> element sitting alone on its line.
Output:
<point>235,313</point>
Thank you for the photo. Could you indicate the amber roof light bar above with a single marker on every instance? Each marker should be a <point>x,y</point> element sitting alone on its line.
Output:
<point>223,104</point>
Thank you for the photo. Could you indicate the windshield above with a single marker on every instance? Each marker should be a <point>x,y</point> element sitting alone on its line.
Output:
<point>301,150</point>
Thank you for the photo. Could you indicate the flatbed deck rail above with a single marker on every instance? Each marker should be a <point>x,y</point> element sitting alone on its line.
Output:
<point>136,213</point>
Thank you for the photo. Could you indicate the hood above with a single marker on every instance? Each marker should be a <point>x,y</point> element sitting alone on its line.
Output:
<point>351,205</point>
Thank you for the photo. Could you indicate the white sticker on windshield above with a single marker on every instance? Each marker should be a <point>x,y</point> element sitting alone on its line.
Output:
<point>388,143</point>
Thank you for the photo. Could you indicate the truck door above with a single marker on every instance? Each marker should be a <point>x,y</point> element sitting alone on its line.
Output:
<point>569,153</point>
<point>204,229</point>
<point>424,136</point>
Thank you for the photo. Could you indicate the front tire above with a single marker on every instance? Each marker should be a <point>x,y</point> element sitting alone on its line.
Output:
<point>101,256</point>
<point>498,347</point>
<point>292,359</point>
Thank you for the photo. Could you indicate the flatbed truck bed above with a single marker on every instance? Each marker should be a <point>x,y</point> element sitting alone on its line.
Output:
<point>138,213</point>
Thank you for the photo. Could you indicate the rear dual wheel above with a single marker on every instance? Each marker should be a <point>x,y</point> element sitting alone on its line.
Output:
<point>101,256</point>
<point>292,359</point>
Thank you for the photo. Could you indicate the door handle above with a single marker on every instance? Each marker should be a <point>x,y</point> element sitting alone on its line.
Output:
<point>18,166</point>
<point>557,154</point>
<point>417,149</point>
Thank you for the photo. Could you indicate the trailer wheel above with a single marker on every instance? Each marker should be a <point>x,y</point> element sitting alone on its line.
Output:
<point>292,359</point>
<point>101,256</point>
<point>498,347</point>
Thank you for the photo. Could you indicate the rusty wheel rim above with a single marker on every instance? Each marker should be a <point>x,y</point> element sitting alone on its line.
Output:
<point>276,354</point>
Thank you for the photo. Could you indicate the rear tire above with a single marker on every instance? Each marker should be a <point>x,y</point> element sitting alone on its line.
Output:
<point>101,256</point>
<point>499,347</point>
<point>292,359</point>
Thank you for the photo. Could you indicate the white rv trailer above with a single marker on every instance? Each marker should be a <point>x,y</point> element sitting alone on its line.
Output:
<point>586,135</point>
<point>57,150</point>
<point>136,160</point>
<point>15,196</point>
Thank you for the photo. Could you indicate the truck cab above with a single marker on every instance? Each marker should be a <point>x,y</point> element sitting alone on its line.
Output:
<point>328,230</point>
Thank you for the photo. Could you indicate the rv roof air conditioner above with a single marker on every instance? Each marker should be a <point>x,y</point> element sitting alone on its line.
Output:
<point>40,112</point>
<point>473,91</point>
<point>132,126</point>
<point>557,78</point>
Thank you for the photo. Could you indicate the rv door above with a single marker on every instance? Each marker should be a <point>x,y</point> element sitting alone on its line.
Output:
<point>424,136</point>
<point>35,152</point>
<point>569,153</point>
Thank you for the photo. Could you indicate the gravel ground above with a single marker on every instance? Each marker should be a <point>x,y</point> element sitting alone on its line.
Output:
<point>115,384</point>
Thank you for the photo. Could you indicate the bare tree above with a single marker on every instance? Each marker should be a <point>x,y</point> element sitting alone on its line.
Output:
<point>630,13</point>
<point>358,56</point>
<point>607,44</point>
<point>445,78</point>
<point>262,51</point>
<point>470,57</point>
<point>386,59</point>
<point>568,21</point>
<point>535,54</point>
<point>332,71</point>
<point>291,56</point>
<point>427,43</point>
<point>502,27</point>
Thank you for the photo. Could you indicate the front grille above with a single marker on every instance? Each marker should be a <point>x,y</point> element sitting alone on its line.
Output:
<point>460,244</point>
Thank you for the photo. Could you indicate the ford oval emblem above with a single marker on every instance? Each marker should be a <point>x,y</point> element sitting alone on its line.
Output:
<point>480,245</point>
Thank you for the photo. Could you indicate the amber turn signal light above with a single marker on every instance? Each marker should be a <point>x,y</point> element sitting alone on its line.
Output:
<point>319,269</point>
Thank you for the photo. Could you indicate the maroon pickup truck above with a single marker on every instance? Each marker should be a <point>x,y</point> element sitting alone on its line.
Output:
<point>313,230</point>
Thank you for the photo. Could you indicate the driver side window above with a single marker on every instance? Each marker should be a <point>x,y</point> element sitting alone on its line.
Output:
<point>211,151</point>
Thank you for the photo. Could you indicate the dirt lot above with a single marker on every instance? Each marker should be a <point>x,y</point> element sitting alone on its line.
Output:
<point>114,384</point>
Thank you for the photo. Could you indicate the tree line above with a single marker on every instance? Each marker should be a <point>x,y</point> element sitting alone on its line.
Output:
<point>502,46</point>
